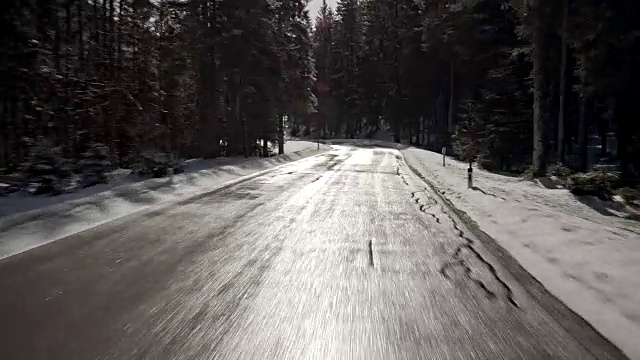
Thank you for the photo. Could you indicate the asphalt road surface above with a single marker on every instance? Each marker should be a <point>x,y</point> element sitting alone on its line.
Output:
<point>344,255</point>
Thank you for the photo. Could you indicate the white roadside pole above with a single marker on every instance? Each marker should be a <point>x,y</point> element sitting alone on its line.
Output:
<point>444,156</point>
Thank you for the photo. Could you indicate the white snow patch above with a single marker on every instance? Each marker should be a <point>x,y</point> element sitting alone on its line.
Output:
<point>28,221</point>
<point>584,252</point>
<point>359,158</point>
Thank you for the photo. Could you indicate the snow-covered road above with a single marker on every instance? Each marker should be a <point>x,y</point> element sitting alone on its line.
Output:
<point>587,258</point>
<point>344,255</point>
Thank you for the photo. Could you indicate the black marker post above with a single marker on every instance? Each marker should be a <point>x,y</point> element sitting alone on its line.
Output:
<point>444,156</point>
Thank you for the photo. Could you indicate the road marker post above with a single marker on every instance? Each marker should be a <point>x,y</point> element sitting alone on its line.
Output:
<point>444,156</point>
<point>470,175</point>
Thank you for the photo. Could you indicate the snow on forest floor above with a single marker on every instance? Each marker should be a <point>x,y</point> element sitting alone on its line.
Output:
<point>28,221</point>
<point>583,251</point>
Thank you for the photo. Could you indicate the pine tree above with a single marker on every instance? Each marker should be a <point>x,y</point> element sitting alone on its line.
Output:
<point>541,25</point>
<point>95,165</point>
<point>323,60</point>
<point>346,53</point>
<point>181,78</point>
<point>496,128</point>
<point>46,171</point>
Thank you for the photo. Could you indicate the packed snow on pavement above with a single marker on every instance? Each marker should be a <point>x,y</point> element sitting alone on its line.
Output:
<point>28,221</point>
<point>587,256</point>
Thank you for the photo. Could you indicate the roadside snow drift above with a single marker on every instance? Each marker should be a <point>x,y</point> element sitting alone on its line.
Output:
<point>29,221</point>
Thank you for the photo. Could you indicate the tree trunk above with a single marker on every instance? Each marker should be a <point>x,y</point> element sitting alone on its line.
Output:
<point>208,138</point>
<point>423,130</point>
<point>93,49</point>
<point>280,134</point>
<point>570,135</point>
<point>603,128</point>
<point>239,117</point>
<point>540,91</point>
<point>4,135</point>
<point>114,113</point>
<point>563,84</point>
<point>80,16</point>
<point>603,142</point>
<point>583,133</point>
<point>119,26</point>
<point>451,126</point>
<point>624,116</point>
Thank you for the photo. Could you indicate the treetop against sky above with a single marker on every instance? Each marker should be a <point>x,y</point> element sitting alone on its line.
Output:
<point>314,7</point>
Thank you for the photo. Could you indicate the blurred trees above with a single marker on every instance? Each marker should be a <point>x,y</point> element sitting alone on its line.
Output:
<point>506,83</point>
<point>173,76</point>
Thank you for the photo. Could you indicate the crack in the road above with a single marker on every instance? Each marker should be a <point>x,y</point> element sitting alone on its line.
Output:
<point>488,193</point>
<point>468,272</point>
<point>476,253</point>
<point>414,195</point>
<point>469,244</point>
<point>423,207</point>
<point>404,180</point>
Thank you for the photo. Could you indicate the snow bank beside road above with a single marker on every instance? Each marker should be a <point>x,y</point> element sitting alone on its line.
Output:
<point>30,221</point>
<point>587,259</point>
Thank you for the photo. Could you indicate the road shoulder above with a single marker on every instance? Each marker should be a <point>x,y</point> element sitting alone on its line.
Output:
<point>580,309</point>
<point>27,230</point>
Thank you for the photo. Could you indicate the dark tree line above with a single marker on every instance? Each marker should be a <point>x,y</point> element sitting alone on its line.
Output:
<point>505,83</point>
<point>193,78</point>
